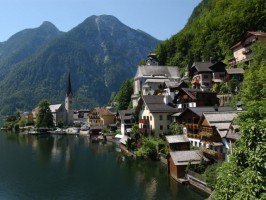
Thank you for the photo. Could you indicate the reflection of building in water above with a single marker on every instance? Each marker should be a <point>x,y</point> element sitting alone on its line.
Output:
<point>151,189</point>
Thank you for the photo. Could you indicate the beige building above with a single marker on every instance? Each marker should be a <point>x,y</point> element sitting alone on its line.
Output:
<point>100,117</point>
<point>242,50</point>
<point>150,78</point>
<point>154,113</point>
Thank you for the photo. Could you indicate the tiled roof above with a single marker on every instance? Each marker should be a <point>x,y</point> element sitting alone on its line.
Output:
<point>202,66</point>
<point>235,71</point>
<point>155,103</point>
<point>199,110</point>
<point>176,139</point>
<point>148,70</point>
<point>55,107</point>
<point>248,34</point>
<point>184,157</point>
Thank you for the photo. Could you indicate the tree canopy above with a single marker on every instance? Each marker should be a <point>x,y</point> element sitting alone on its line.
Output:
<point>44,116</point>
<point>243,177</point>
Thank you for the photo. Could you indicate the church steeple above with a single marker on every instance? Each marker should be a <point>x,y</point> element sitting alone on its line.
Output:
<point>69,89</point>
<point>69,103</point>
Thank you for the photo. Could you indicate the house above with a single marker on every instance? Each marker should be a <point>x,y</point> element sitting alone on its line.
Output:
<point>126,121</point>
<point>188,97</point>
<point>100,117</point>
<point>154,113</point>
<point>179,160</point>
<point>232,135</point>
<point>178,142</point>
<point>27,116</point>
<point>213,128</point>
<point>236,73</point>
<point>242,50</point>
<point>81,116</point>
<point>58,112</point>
<point>190,117</point>
<point>205,74</point>
<point>150,78</point>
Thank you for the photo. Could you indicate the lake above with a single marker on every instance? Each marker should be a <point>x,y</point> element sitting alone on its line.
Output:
<point>71,167</point>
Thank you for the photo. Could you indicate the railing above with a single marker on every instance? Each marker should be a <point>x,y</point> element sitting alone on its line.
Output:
<point>144,121</point>
<point>191,125</point>
<point>196,136</point>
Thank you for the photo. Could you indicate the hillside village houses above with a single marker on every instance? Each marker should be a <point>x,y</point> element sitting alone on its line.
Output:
<point>161,97</point>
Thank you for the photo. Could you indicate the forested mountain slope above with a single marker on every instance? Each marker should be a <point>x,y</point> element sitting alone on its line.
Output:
<point>213,27</point>
<point>100,53</point>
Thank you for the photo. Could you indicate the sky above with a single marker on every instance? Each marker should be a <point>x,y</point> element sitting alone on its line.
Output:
<point>159,18</point>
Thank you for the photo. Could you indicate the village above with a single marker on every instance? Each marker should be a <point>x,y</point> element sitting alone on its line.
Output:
<point>206,127</point>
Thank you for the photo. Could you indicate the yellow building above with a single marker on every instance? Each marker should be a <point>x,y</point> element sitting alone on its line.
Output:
<point>154,113</point>
<point>100,117</point>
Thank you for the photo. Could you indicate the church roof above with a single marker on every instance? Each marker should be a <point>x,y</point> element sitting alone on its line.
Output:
<point>158,71</point>
<point>69,88</point>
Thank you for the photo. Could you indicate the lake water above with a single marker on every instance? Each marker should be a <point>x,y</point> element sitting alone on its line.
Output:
<point>71,167</point>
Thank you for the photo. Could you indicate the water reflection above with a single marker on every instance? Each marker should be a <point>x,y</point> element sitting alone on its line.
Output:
<point>71,167</point>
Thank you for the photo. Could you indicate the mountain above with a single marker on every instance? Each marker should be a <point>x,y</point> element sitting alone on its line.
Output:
<point>100,53</point>
<point>23,44</point>
<point>213,27</point>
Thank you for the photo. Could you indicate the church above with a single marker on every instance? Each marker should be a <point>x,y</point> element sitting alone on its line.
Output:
<point>61,113</point>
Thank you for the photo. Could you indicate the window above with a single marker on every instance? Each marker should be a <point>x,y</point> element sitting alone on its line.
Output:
<point>160,117</point>
<point>205,76</point>
<point>168,127</point>
<point>150,118</point>
<point>168,117</point>
<point>161,127</point>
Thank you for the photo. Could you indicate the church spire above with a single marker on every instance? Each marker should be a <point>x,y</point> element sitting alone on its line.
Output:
<point>69,89</point>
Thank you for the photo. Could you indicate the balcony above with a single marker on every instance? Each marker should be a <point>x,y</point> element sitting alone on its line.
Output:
<point>195,81</point>
<point>144,121</point>
<point>212,154</point>
<point>191,125</point>
<point>191,135</point>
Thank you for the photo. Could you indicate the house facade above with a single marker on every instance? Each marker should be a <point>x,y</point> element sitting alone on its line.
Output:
<point>213,128</point>
<point>188,97</point>
<point>149,78</point>
<point>154,113</point>
<point>125,120</point>
<point>242,50</point>
<point>100,117</point>
<point>205,74</point>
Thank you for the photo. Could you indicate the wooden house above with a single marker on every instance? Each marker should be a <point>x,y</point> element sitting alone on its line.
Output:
<point>177,142</point>
<point>179,160</point>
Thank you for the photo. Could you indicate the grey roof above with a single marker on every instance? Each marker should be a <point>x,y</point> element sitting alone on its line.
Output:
<point>148,70</point>
<point>221,121</point>
<point>193,92</point>
<point>155,103</point>
<point>154,80</point>
<point>126,116</point>
<point>55,107</point>
<point>199,110</point>
<point>184,157</point>
<point>176,139</point>
<point>235,71</point>
<point>202,66</point>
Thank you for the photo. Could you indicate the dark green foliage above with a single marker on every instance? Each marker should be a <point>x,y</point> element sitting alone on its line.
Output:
<point>44,116</point>
<point>214,26</point>
<point>100,57</point>
<point>123,97</point>
<point>243,177</point>
<point>211,175</point>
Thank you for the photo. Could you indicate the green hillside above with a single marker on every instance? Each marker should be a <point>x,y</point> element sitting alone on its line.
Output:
<point>100,53</point>
<point>213,27</point>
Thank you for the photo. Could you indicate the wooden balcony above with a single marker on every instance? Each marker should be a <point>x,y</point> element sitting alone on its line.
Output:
<point>191,126</point>
<point>195,81</point>
<point>144,121</point>
<point>191,135</point>
<point>212,154</point>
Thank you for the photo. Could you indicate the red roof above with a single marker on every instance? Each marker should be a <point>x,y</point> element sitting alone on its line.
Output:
<point>247,35</point>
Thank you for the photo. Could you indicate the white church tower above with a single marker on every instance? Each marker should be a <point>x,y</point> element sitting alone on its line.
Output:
<point>69,103</point>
